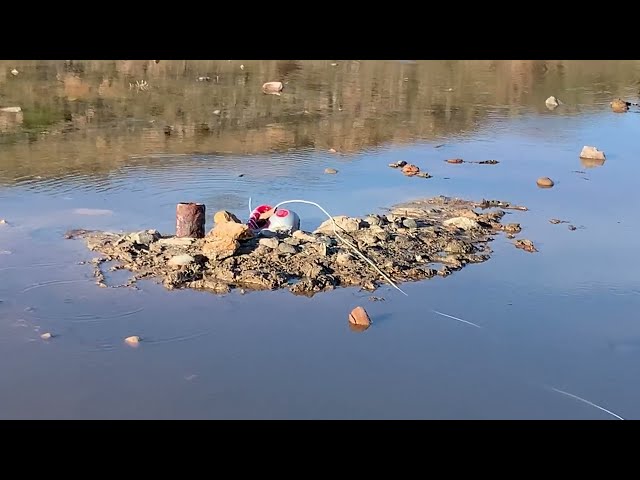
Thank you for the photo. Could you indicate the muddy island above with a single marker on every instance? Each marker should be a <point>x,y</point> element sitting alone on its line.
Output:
<point>413,241</point>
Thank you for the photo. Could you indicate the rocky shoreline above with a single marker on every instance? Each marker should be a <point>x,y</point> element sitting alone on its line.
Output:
<point>414,241</point>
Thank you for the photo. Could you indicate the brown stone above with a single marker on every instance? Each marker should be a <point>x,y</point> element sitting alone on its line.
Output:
<point>223,239</point>
<point>223,216</point>
<point>619,106</point>
<point>545,182</point>
<point>359,316</point>
<point>410,170</point>
<point>592,153</point>
<point>455,160</point>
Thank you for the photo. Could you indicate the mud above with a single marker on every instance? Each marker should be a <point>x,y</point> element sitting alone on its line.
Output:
<point>413,241</point>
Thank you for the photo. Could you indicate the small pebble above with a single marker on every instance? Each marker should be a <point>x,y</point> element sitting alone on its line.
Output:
<point>334,64</point>
<point>332,150</point>
<point>133,340</point>
<point>571,227</point>
<point>331,171</point>
<point>216,112</point>
<point>455,160</point>
<point>46,336</point>
<point>14,72</point>
<point>3,221</point>
<point>423,175</point>
<point>544,182</point>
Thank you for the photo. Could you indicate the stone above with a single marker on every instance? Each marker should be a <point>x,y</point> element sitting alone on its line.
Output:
<point>3,221</point>
<point>269,242</point>
<point>133,340</point>
<point>455,160</point>
<point>343,222</point>
<point>512,228</point>
<point>273,87</point>
<point>223,216</point>
<point>359,316</point>
<point>398,164</point>
<point>372,220</point>
<point>619,106</point>
<point>343,257</point>
<point>463,223</point>
<point>330,171</point>
<point>46,336</point>
<point>180,260</point>
<point>423,175</point>
<point>409,223</point>
<point>303,236</point>
<point>224,239</point>
<point>286,248</point>
<point>410,170</point>
<point>145,237</point>
<point>544,182</point>
<point>592,153</point>
<point>14,72</point>
<point>11,109</point>
<point>176,241</point>
<point>552,102</point>
<point>526,245</point>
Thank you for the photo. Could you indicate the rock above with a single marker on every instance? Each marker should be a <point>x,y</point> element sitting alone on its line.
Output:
<point>368,239</point>
<point>3,221</point>
<point>292,241</point>
<point>455,160</point>
<point>619,106</point>
<point>176,241</point>
<point>359,316</point>
<point>463,223</point>
<point>398,164</point>
<point>223,216</point>
<point>303,236</point>
<point>409,223</point>
<point>286,248</point>
<point>423,175</point>
<point>544,182</point>
<point>333,150</point>
<point>592,153</point>
<point>343,257</point>
<point>552,102</point>
<point>456,246</point>
<point>14,72</point>
<point>180,260</point>
<point>572,227</point>
<point>203,79</point>
<point>133,340</point>
<point>346,223</point>
<point>216,112</point>
<point>272,243</point>
<point>273,87</point>
<point>410,170</point>
<point>512,228</point>
<point>224,239</point>
<point>526,245</point>
<point>11,109</point>
<point>145,237</point>
<point>330,171</point>
<point>556,221</point>
<point>46,336</point>
<point>372,220</point>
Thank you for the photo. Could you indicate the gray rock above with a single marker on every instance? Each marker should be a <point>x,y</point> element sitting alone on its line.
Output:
<point>286,248</point>
<point>269,242</point>
<point>144,237</point>
<point>409,223</point>
<point>372,220</point>
<point>292,241</point>
<point>180,260</point>
<point>368,239</point>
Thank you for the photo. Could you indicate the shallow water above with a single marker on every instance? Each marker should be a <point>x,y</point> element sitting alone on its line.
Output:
<point>89,152</point>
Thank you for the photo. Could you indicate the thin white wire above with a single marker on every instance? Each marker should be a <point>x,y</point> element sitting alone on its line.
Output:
<point>587,402</point>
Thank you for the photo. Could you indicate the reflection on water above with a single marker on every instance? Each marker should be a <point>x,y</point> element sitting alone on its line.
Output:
<point>91,149</point>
